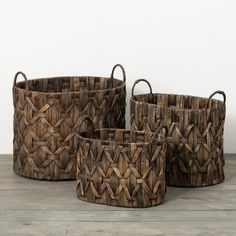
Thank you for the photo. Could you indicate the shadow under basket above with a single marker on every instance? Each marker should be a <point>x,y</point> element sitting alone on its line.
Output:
<point>121,167</point>
<point>195,125</point>
<point>46,114</point>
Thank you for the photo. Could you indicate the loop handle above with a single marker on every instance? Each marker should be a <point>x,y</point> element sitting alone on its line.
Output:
<point>81,121</point>
<point>158,130</point>
<point>213,94</point>
<point>122,69</point>
<point>25,78</point>
<point>138,81</point>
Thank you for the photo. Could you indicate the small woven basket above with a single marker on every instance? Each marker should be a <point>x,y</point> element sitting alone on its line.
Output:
<point>195,154</point>
<point>121,167</point>
<point>46,120</point>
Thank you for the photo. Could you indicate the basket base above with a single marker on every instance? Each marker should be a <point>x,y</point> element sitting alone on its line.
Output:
<point>41,176</point>
<point>194,186</point>
<point>117,204</point>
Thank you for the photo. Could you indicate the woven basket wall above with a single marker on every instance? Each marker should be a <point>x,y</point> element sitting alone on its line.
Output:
<point>46,120</point>
<point>121,167</point>
<point>195,154</point>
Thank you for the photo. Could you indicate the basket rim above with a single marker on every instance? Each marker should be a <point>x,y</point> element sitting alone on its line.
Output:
<point>176,108</point>
<point>119,143</point>
<point>123,84</point>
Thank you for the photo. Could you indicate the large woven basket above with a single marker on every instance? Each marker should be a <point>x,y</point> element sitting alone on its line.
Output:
<point>195,154</point>
<point>121,167</point>
<point>46,120</point>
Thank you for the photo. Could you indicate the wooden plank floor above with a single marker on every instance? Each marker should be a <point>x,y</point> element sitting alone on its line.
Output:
<point>31,207</point>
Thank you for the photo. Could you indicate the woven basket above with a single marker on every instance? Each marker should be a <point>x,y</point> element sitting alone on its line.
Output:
<point>195,138</point>
<point>121,167</point>
<point>46,120</point>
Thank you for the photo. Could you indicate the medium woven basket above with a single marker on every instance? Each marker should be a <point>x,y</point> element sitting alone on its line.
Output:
<point>121,167</point>
<point>46,120</point>
<point>195,154</point>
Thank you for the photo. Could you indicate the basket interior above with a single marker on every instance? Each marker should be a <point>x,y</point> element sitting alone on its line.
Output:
<point>70,84</point>
<point>118,136</point>
<point>178,101</point>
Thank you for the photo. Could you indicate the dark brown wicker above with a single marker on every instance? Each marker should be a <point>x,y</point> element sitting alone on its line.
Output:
<point>121,167</point>
<point>46,120</point>
<point>195,154</point>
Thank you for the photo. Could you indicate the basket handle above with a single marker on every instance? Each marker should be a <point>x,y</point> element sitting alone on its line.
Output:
<point>138,81</point>
<point>213,94</point>
<point>158,130</point>
<point>122,69</point>
<point>25,78</point>
<point>84,118</point>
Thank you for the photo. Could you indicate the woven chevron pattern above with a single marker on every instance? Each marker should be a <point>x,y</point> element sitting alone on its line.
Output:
<point>121,168</point>
<point>46,120</point>
<point>195,154</point>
